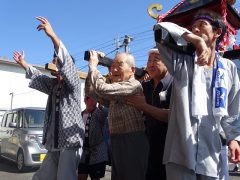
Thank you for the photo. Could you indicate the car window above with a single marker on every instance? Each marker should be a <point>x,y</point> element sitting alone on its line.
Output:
<point>16,119</point>
<point>9,119</point>
<point>4,121</point>
<point>33,118</point>
<point>19,119</point>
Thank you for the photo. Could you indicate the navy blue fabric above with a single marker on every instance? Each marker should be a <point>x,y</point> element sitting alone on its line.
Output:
<point>156,131</point>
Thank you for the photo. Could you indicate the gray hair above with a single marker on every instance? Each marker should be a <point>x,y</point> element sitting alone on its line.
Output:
<point>128,58</point>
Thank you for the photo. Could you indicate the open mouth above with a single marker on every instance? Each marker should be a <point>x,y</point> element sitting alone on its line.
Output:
<point>116,75</point>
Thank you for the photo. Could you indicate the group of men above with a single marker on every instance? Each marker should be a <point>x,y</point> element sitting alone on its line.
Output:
<point>164,128</point>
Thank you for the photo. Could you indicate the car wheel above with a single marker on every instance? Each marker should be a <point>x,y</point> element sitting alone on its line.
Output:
<point>20,161</point>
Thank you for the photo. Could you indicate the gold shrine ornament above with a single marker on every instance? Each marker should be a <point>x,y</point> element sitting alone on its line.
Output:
<point>158,7</point>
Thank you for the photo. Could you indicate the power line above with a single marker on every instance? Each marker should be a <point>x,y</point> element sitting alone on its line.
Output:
<point>141,42</point>
<point>143,48</point>
<point>141,32</point>
<point>140,38</point>
<point>144,35</point>
<point>100,46</point>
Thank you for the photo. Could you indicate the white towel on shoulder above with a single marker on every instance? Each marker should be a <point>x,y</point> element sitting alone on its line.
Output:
<point>220,91</point>
<point>199,94</point>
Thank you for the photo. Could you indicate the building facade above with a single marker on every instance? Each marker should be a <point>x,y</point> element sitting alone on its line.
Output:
<point>14,91</point>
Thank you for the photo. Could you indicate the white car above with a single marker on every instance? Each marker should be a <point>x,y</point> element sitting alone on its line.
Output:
<point>21,134</point>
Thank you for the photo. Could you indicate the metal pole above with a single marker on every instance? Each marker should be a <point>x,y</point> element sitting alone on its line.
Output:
<point>126,48</point>
<point>117,44</point>
<point>126,41</point>
<point>11,99</point>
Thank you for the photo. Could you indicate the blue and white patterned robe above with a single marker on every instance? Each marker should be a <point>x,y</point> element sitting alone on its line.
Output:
<point>71,126</point>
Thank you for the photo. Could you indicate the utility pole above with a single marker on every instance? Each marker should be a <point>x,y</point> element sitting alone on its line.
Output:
<point>126,41</point>
<point>11,99</point>
<point>117,44</point>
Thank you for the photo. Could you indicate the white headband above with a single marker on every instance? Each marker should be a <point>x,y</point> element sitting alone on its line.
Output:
<point>155,50</point>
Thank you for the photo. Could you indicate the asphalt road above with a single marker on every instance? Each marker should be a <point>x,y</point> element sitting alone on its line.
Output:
<point>8,171</point>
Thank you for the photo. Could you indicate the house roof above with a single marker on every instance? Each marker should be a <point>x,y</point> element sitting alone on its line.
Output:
<point>13,63</point>
<point>82,75</point>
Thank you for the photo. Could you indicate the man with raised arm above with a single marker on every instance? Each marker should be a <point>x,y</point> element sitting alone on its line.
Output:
<point>205,93</point>
<point>63,129</point>
<point>126,124</point>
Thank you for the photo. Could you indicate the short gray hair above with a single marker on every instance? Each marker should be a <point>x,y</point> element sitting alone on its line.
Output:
<point>128,58</point>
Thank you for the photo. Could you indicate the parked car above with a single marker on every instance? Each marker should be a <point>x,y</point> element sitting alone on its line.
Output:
<point>21,134</point>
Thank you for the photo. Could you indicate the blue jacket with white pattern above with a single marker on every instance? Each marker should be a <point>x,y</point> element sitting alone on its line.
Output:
<point>71,126</point>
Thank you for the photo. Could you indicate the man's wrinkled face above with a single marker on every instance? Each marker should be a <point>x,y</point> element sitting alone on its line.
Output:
<point>204,29</point>
<point>120,69</point>
<point>155,66</point>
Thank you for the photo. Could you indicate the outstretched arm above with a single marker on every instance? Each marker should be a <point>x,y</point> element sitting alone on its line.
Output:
<point>65,64</point>
<point>20,59</point>
<point>46,26</point>
<point>38,81</point>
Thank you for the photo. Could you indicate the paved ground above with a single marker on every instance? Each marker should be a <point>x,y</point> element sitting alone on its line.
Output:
<point>8,171</point>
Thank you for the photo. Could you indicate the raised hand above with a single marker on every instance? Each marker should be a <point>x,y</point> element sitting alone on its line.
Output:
<point>94,59</point>
<point>46,26</point>
<point>203,52</point>
<point>20,58</point>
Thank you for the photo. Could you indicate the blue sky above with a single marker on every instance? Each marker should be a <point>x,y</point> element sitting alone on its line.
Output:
<point>81,25</point>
